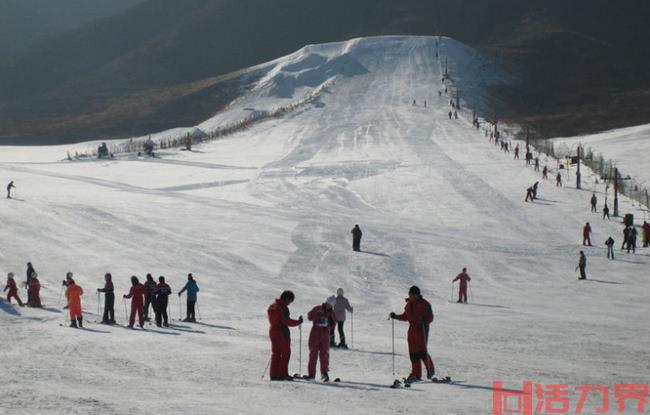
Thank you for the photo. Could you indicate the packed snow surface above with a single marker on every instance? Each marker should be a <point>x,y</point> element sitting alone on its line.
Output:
<point>271,208</point>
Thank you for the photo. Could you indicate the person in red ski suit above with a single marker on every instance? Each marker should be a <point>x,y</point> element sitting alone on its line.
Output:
<point>73,293</point>
<point>462,288</point>
<point>586,234</point>
<point>319,339</point>
<point>419,314</point>
<point>279,323</point>
<point>136,294</point>
<point>35,289</point>
<point>13,289</point>
<point>529,194</point>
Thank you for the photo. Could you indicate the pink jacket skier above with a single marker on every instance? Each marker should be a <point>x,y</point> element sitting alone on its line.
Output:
<point>319,347</point>
<point>462,290</point>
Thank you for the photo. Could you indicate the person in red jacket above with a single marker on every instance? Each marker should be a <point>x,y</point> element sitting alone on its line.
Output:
<point>35,289</point>
<point>136,294</point>
<point>462,289</point>
<point>419,314</point>
<point>13,289</point>
<point>279,323</point>
<point>586,234</point>
<point>319,344</point>
<point>73,293</point>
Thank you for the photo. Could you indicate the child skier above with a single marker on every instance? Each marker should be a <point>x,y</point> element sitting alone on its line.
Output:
<point>419,314</point>
<point>13,289</point>
<point>35,290</point>
<point>340,307</point>
<point>137,303</point>
<point>73,293</point>
<point>462,288</point>
<point>319,348</point>
<point>279,323</point>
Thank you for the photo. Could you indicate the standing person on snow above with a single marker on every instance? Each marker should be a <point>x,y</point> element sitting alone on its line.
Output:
<point>610,247</point>
<point>149,296</point>
<point>631,241</point>
<point>606,211</point>
<point>340,307</point>
<point>162,292</point>
<point>558,180</point>
<point>73,293</point>
<point>536,163</point>
<point>319,347</point>
<point>356,238</point>
<point>545,173</point>
<point>13,289</point>
<point>517,152</point>
<point>419,314</point>
<point>136,294</point>
<point>192,289</point>
<point>529,194</point>
<point>594,201</point>
<point>535,186</point>
<point>586,234</point>
<point>28,274</point>
<point>9,187</point>
<point>35,291</point>
<point>279,323</point>
<point>626,237</point>
<point>464,278</point>
<point>646,234</point>
<point>582,265</point>
<point>109,299</point>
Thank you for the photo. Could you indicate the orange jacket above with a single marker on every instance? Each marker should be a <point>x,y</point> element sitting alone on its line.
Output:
<point>73,293</point>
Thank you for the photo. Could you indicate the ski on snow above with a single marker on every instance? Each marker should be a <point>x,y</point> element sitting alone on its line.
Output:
<point>407,384</point>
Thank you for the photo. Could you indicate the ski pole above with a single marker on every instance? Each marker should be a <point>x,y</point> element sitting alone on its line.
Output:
<point>451,298</point>
<point>267,368</point>
<point>98,304</point>
<point>198,309</point>
<point>393,341</point>
<point>352,329</point>
<point>300,352</point>
<point>180,309</point>
<point>126,315</point>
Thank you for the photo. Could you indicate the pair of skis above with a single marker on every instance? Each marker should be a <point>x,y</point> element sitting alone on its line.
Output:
<point>296,376</point>
<point>405,382</point>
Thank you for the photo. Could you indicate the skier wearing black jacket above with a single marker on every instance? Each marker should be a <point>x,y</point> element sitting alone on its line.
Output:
<point>162,293</point>
<point>109,300</point>
<point>149,296</point>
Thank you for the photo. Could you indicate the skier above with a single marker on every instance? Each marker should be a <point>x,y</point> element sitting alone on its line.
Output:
<point>529,194</point>
<point>13,289</point>
<point>279,323</point>
<point>536,163</point>
<point>419,314</point>
<point>192,289</point>
<point>356,238</point>
<point>162,292</point>
<point>9,187</point>
<point>73,293</point>
<point>606,211</point>
<point>646,234</point>
<point>558,180</point>
<point>594,201</point>
<point>610,247</point>
<point>626,237</point>
<point>464,278</point>
<point>586,234</point>
<point>535,186</point>
<point>319,348</point>
<point>631,241</point>
<point>149,296</point>
<point>582,265</point>
<point>340,307</point>
<point>109,299</point>
<point>545,173</point>
<point>136,293</point>
<point>517,152</point>
<point>35,291</point>
<point>450,114</point>
<point>28,273</point>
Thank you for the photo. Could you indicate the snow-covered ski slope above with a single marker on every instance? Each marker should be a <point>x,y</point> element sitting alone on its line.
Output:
<point>271,208</point>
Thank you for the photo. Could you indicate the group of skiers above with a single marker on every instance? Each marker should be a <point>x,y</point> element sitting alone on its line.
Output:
<point>151,293</point>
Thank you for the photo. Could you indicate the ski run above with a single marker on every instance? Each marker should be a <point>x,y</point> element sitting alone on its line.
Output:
<point>271,208</point>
